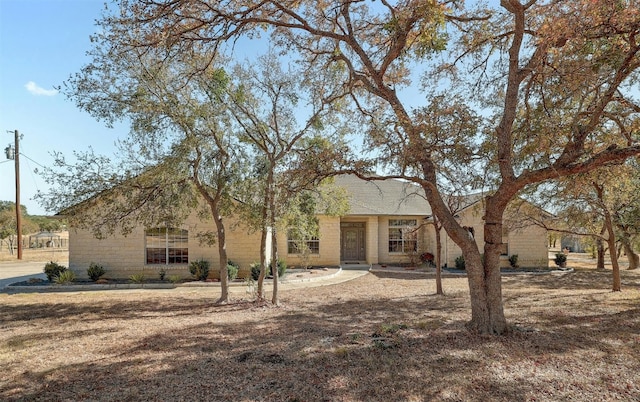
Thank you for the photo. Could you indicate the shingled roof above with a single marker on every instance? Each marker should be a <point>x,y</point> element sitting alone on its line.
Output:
<point>383,197</point>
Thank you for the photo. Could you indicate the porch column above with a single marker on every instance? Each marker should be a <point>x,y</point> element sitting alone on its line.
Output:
<point>372,228</point>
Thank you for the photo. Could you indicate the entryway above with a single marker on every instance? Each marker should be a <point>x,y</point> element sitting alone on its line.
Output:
<point>352,243</point>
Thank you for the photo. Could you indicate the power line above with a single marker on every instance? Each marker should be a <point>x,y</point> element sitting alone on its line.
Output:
<point>32,170</point>
<point>31,160</point>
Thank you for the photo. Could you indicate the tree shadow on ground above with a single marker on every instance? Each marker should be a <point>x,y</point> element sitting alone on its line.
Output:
<point>584,279</point>
<point>348,346</point>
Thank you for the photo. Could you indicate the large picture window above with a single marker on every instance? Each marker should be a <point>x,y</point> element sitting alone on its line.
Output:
<point>297,244</point>
<point>167,246</point>
<point>403,235</point>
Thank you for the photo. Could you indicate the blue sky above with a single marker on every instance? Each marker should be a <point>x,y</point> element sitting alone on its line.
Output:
<point>43,42</point>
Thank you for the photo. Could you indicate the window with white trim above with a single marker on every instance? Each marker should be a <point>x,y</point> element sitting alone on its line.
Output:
<point>164,246</point>
<point>297,244</point>
<point>403,235</point>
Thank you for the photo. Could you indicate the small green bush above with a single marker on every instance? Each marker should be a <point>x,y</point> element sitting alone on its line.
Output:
<point>174,279</point>
<point>137,278</point>
<point>95,271</point>
<point>232,271</point>
<point>53,270</point>
<point>162,273</point>
<point>460,264</point>
<point>65,277</point>
<point>513,261</point>
<point>199,269</point>
<point>255,270</point>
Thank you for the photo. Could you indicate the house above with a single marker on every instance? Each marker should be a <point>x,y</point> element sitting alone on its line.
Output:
<point>389,222</point>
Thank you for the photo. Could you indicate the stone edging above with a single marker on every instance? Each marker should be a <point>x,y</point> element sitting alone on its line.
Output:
<point>110,286</point>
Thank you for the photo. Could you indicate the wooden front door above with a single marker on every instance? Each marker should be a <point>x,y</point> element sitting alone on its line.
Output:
<point>352,237</point>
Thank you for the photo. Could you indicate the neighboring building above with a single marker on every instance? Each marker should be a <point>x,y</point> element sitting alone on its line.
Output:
<point>389,222</point>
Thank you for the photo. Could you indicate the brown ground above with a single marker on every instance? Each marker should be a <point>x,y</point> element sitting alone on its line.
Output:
<point>37,254</point>
<point>382,337</point>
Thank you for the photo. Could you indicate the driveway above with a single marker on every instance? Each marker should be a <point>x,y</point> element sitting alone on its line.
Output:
<point>18,271</point>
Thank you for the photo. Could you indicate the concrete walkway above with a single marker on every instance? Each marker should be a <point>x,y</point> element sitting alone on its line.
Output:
<point>18,271</point>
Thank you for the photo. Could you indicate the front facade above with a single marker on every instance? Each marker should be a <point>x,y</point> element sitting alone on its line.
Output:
<point>385,225</point>
<point>389,222</point>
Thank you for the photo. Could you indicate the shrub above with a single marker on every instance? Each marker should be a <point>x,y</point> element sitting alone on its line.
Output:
<point>561,259</point>
<point>53,269</point>
<point>174,279</point>
<point>513,261</point>
<point>199,269</point>
<point>232,270</point>
<point>427,258</point>
<point>255,270</point>
<point>65,277</point>
<point>460,263</point>
<point>162,273</point>
<point>95,271</point>
<point>137,278</point>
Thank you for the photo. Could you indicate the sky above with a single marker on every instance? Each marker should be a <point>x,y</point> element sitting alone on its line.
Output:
<point>42,43</point>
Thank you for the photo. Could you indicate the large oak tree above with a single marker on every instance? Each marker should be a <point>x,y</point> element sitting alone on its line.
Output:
<point>551,77</point>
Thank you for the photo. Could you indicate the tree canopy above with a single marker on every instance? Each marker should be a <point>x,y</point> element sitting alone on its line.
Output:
<point>527,92</point>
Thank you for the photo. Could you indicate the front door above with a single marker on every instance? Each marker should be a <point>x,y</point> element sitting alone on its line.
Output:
<point>352,239</point>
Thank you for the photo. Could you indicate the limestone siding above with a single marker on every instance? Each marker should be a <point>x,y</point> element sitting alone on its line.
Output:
<point>329,227</point>
<point>527,241</point>
<point>124,256</point>
<point>530,244</point>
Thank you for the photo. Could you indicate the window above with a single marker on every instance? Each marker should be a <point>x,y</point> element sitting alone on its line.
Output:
<point>296,244</point>
<point>167,246</point>
<point>403,235</point>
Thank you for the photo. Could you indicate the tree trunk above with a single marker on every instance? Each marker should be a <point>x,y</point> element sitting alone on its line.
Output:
<point>600,254</point>
<point>274,240</point>
<point>263,260</point>
<point>494,321</point>
<point>633,257</point>
<point>274,272</point>
<point>485,286</point>
<point>617,285</point>
<point>222,244</point>
<point>263,247</point>
<point>437,227</point>
<point>222,251</point>
<point>611,238</point>
<point>485,282</point>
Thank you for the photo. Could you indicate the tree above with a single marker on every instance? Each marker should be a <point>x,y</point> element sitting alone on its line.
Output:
<point>595,205</point>
<point>8,223</point>
<point>627,214</point>
<point>275,111</point>
<point>549,76</point>
<point>179,145</point>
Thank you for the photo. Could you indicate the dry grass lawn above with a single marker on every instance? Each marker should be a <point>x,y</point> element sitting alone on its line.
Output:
<point>382,337</point>
<point>37,254</point>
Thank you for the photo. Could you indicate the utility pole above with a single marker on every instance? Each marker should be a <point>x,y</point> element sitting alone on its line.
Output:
<point>15,155</point>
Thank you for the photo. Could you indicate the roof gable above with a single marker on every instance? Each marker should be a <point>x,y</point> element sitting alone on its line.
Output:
<point>383,197</point>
